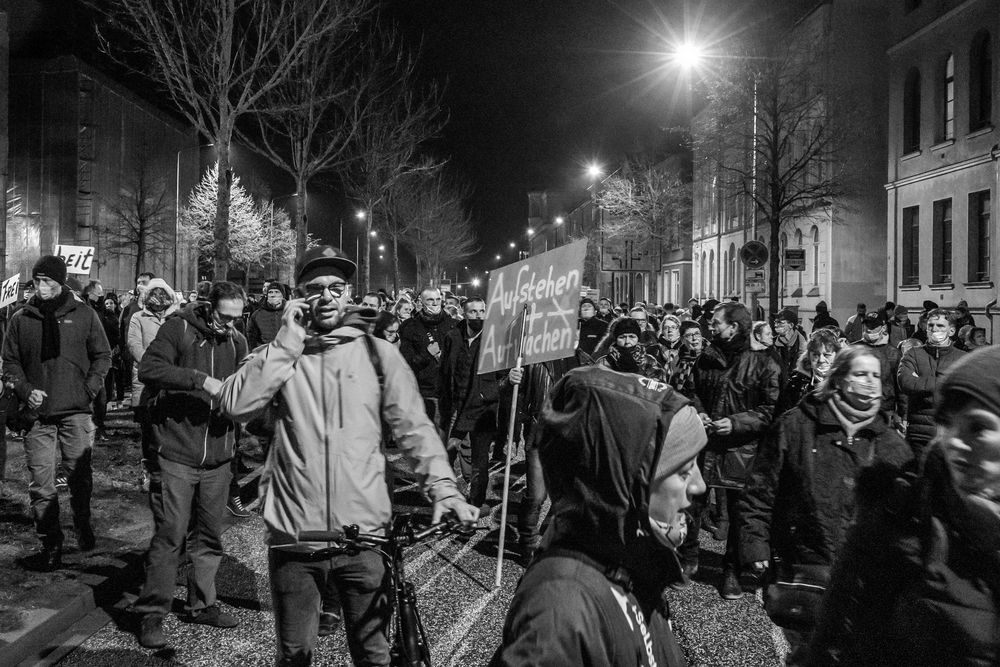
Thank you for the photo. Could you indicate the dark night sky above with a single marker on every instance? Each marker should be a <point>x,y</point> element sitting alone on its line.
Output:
<point>536,90</point>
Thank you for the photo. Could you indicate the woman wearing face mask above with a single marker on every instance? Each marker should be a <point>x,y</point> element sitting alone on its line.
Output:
<point>812,369</point>
<point>918,581</point>
<point>826,459</point>
<point>668,344</point>
<point>403,309</point>
<point>620,351</point>
<point>114,383</point>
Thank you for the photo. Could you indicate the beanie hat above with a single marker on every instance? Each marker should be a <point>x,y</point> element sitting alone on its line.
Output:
<point>929,305</point>
<point>710,306</point>
<point>875,319</point>
<point>52,267</point>
<point>900,310</point>
<point>685,438</point>
<point>821,307</point>
<point>788,315</point>
<point>625,325</point>
<point>587,299</point>
<point>976,375</point>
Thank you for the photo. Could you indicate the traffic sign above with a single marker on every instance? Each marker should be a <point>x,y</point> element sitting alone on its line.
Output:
<point>753,281</point>
<point>795,259</point>
<point>753,254</point>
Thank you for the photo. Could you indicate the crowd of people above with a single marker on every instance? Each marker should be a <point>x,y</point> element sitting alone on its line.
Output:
<point>862,461</point>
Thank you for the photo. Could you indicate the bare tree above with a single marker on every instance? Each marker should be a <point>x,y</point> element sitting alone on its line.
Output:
<point>398,120</point>
<point>217,59</point>
<point>311,116</point>
<point>647,200</point>
<point>769,138</point>
<point>434,224</point>
<point>143,216</point>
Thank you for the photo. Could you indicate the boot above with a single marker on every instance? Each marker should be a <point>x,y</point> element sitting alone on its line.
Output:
<point>151,631</point>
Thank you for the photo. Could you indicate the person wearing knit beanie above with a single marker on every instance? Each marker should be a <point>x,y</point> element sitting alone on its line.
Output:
<point>50,266</point>
<point>625,325</point>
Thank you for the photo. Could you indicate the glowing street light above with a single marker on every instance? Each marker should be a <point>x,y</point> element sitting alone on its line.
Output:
<point>373,233</point>
<point>475,282</point>
<point>381,248</point>
<point>559,220</point>
<point>360,215</point>
<point>512,245</point>
<point>594,170</point>
<point>530,231</point>
<point>498,258</point>
<point>688,55</point>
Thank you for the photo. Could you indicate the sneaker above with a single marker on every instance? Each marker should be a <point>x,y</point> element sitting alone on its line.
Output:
<point>85,538</point>
<point>731,589</point>
<point>62,482</point>
<point>328,623</point>
<point>235,507</point>
<point>213,617</point>
<point>151,631</point>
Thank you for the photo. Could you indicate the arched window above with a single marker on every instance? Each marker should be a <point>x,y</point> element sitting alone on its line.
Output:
<point>734,286</point>
<point>911,111</point>
<point>980,81</point>
<point>815,254</point>
<point>798,244</point>
<point>946,108</point>
<point>711,273</point>
<point>725,272</point>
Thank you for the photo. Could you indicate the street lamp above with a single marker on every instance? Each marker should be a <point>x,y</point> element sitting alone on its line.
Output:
<point>559,220</point>
<point>594,170</point>
<point>512,245</point>
<point>688,55</point>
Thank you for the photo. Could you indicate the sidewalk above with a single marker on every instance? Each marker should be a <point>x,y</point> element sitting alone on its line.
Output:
<point>35,607</point>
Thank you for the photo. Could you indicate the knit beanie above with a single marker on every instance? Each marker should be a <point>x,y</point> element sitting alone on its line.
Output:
<point>625,325</point>
<point>900,310</point>
<point>975,375</point>
<point>52,267</point>
<point>685,438</point>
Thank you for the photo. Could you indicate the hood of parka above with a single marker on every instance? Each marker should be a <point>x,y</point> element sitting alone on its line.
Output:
<point>601,435</point>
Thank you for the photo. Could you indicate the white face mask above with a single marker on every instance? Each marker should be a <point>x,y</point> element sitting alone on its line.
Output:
<point>937,338</point>
<point>45,291</point>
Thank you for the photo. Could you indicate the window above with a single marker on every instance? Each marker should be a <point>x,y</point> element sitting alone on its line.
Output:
<point>946,128</point>
<point>725,272</point>
<point>911,111</point>
<point>942,241</point>
<point>732,269</point>
<point>798,244</point>
<point>979,236</point>
<point>815,240</point>
<point>704,275</point>
<point>711,273</point>
<point>980,82</point>
<point>911,245</point>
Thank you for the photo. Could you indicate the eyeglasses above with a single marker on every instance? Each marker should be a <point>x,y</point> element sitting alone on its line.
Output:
<point>225,319</point>
<point>314,290</point>
<point>692,336</point>
<point>391,333</point>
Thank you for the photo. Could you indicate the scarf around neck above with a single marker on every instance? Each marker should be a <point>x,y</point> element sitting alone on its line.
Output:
<point>50,325</point>
<point>852,419</point>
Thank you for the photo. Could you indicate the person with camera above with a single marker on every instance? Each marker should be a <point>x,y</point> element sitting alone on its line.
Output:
<point>329,387</point>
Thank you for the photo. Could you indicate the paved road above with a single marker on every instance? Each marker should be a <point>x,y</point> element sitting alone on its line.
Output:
<point>462,614</point>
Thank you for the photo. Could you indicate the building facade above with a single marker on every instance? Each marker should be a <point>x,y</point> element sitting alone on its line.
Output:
<point>943,173</point>
<point>837,246</point>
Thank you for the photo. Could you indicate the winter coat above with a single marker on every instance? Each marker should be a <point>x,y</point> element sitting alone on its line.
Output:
<point>473,399</point>
<point>790,353</point>
<point>743,387</point>
<point>795,388</point>
<point>666,353</point>
<point>591,333</point>
<point>415,334</point>
<point>917,583</point>
<point>919,371</point>
<point>593,595</point>
<point>899,332</point>
<point>807,480</point>
<point>263,324</point>
<point>824,319</point>
<point>325,468</point>
<point>74,378</point>
<point>854,328</point>
<point>187,425</point>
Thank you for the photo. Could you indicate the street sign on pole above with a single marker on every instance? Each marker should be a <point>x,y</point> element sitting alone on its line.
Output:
<point>753,254</point>
<point>795,259</point>
<point>754,280</point>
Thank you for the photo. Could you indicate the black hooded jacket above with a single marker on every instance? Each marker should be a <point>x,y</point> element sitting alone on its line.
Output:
<point>415,334</point>
<point>598,447</point>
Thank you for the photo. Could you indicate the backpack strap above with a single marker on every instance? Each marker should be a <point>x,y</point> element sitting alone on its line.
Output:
<point>376,361</point>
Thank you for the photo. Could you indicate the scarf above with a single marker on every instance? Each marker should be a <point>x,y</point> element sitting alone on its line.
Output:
<point>733,347</point>
<point>852,419</point>
<point>50,326</point>
<point>628,360</point>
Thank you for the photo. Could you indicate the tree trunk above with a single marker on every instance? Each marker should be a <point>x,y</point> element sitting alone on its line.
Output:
<point>773,266</point>
<point>299,222</point>
<point>395,265</point>
<point>368,251</point>
<point>220,263</point>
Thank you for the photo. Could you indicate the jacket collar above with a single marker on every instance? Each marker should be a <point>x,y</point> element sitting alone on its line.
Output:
<point>821,413</point>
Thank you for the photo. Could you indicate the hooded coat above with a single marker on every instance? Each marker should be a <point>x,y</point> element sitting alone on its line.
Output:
<point>593,595</point>
<point>188,427</point>
<point>142,329</point>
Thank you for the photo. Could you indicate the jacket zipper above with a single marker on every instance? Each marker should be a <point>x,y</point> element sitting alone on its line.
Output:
<point>326,441</point>
<point>208,426</point>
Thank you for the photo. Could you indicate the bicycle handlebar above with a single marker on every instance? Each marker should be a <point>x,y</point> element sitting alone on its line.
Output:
<point>352,536</point>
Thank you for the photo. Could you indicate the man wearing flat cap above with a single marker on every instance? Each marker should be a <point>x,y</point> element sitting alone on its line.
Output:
<point>56,354</point>
<point>325,468</point>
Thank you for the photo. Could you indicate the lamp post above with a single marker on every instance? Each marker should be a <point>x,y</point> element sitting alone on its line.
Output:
<point>365,216</point>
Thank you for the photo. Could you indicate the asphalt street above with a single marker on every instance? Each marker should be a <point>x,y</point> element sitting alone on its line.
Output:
<point>462,613</point>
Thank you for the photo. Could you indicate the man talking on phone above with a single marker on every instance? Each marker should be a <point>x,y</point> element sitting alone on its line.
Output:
<point>329,389</point>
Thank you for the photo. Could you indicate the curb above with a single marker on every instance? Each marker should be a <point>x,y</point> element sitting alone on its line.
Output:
<point>39,638</point>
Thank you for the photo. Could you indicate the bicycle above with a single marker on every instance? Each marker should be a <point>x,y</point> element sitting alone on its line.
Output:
<point>408,644</point>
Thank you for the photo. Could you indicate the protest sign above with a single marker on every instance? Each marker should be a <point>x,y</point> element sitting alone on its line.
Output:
<point>8,291</point>
<point>78,258</point>
<point>549,284</point>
